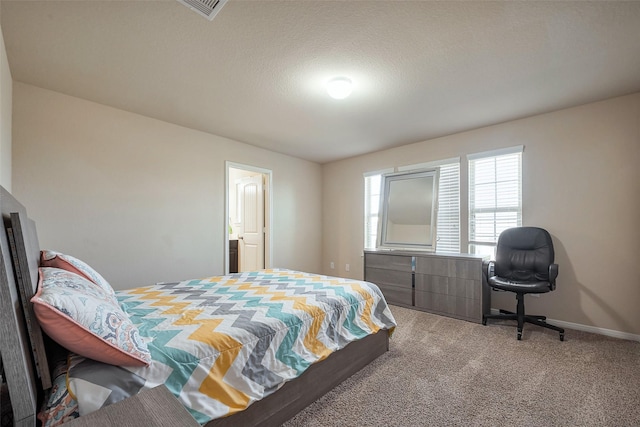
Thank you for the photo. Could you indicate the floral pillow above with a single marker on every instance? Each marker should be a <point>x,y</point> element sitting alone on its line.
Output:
<point>85,319</point>
<point>58,406</point>
<point>67,262</point>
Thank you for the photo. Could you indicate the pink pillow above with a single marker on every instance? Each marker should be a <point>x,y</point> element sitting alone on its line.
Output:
<point>67,262</point>
<point>83,318</point>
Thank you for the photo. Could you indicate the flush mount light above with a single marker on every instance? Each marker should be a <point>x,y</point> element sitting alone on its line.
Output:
<point>339,87</point>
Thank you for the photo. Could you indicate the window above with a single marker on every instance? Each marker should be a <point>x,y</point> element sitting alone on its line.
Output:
<point>448,227</point>
<point>372,184</point>
<point>495,197</point>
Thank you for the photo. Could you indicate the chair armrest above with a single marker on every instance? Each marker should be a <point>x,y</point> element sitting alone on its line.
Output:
<point>488,269</point>
<point>553,274</point>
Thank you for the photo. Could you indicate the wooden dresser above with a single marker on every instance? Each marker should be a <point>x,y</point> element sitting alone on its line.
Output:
<point>447,284</point>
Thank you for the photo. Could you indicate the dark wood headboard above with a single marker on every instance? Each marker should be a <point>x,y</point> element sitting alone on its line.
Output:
<point>26,256</point>
<point>20,335</point>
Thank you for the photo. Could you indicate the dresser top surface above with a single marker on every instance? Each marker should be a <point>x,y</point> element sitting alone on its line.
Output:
<point>407,252</point>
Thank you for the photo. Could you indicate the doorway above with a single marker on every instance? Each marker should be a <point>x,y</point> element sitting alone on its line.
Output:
<point>248,216</point>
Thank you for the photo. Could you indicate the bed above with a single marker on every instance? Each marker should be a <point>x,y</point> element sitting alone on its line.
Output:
<point>336,341</point>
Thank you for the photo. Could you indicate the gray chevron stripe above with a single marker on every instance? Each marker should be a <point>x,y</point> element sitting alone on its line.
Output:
<point>254,368</point>
<point>336,302</point>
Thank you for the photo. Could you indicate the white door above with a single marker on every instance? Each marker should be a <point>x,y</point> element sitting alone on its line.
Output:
<point>251,237</point>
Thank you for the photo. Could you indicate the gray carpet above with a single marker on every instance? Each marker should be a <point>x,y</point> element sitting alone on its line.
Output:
<point>446,372</point>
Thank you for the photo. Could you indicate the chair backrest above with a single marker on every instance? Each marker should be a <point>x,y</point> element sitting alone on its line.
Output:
<point>524,254</point>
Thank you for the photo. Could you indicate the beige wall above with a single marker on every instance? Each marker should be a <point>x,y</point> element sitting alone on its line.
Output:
<point>6,84</point>
<point>581,181</point>
<point>143,200</point>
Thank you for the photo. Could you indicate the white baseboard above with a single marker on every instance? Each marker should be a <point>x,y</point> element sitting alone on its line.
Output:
<point>587,328</point>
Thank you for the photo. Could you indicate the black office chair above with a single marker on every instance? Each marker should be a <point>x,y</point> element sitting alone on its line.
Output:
<point>524,265</point>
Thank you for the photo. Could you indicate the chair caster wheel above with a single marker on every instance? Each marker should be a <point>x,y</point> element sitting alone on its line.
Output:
<point>519,336</point>
<point>561,337</point>
<point>484,321</point>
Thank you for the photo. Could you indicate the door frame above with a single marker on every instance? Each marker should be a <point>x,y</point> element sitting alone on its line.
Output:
<point>268,211</point>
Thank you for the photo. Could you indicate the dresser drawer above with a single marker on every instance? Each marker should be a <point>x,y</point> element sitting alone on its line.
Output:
<point>454,286</point>
<point>379,276</point>
<point>397,295</point>
<point>396,286</point>
<point>388,262</point>
<point>463,308</point>
<point>449,267</point>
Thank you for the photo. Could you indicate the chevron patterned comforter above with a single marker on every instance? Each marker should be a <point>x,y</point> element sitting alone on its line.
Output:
<point>221,343</point>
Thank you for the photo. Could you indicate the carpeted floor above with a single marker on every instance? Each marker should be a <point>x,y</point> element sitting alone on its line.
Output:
<point>447,372</point>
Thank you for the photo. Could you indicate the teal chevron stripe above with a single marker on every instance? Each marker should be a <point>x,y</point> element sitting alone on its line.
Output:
<point>199,416</point>
<point>285,352</point>
<point>183,363</point>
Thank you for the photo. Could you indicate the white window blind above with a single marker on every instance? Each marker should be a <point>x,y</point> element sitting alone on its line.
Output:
<point>448,227</point>
<point>495,197</point>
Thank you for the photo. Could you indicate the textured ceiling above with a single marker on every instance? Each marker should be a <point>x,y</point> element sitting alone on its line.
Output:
<point>256,73</point>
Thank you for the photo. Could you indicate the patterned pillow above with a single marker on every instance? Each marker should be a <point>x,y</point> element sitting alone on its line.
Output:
<point>83,318</point>
<point>58,406</point>
<point>74,265</point>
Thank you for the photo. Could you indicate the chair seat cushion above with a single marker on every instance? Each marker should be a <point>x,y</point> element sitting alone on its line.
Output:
<point>534,287</point>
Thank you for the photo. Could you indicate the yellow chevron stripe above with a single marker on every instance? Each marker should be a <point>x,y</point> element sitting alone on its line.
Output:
<point>214,385</point>
<point>366,312</point>
<point>310,340</point>
<point>222,280</point>
<point>203,333</point>
<point>139,291</point>
<point>162,300</point>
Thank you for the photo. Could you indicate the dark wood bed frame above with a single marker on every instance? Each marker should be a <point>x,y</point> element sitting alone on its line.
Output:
<point>26,358</point>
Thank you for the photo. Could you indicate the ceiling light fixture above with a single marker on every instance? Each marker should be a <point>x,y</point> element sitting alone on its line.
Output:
<point>339,87</point>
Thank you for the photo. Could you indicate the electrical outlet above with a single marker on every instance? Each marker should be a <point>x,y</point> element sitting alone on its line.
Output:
<point>346,267</point>
<point>332,265</point>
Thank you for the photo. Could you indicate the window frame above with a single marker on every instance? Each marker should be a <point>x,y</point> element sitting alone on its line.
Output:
<point>487,245</point>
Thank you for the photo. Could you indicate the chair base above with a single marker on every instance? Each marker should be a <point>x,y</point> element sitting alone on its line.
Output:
<point>522,318</point>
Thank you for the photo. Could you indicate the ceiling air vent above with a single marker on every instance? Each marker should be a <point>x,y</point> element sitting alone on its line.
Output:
<point>207,8</point>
